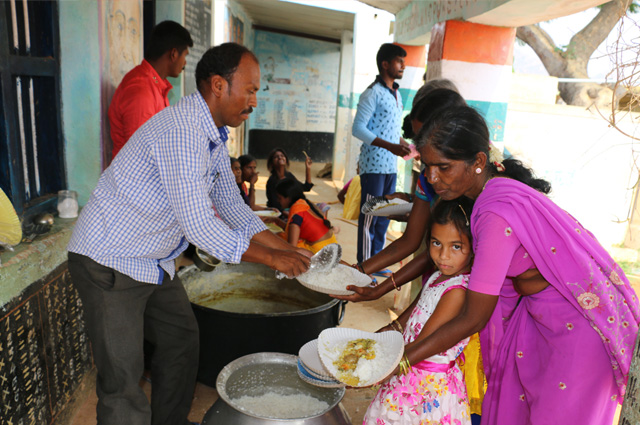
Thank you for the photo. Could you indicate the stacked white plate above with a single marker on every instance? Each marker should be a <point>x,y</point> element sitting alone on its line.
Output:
<point>389,349</point>
<point>311,370</point>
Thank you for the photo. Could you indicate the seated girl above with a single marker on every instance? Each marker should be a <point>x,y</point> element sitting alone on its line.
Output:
<point>306,227</point>
<point>277,164</point>
<point>249,175</point>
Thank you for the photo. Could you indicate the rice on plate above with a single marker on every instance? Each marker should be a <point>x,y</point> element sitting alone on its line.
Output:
<point>335,281</point>
<point>359,358</point>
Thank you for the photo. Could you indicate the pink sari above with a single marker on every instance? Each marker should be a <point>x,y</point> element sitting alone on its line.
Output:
<point>550,336</point>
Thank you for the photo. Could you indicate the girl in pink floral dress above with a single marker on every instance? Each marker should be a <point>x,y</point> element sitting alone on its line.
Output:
<point>433,391</point>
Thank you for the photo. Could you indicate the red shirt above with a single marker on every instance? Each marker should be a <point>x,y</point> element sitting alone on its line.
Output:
<point>140,95</point>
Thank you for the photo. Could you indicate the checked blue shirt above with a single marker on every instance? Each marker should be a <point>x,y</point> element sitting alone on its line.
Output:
<point>379,114</point>
<point>171,183</point>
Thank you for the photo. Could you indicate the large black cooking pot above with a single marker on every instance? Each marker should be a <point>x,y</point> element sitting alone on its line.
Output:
<point>243,309</point>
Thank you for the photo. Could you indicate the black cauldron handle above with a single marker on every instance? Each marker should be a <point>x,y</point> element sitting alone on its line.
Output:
<point>341,310</point>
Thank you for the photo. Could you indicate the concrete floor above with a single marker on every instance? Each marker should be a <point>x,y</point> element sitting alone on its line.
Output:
<point>368,316</point>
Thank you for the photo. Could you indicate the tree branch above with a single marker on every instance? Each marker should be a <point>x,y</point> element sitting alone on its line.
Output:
<point>587,40</point>
<point>543,46</point>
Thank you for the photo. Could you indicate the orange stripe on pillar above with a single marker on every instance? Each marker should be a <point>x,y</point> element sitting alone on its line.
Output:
<point>469,42</point>
<point>415,56</point>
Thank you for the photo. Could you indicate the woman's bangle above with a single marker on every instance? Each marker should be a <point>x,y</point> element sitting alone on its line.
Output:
<point>397,326</point>
<point>394,283</point>
<point>358,266</point>
<point>404,365</point>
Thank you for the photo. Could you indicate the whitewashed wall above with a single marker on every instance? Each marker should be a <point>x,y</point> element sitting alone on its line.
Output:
<point>589,164</point>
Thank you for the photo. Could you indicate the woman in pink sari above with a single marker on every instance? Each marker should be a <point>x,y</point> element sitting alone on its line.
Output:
<point>557,317</point>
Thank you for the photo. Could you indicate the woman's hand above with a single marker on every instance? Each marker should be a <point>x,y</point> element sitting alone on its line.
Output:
<point>254,178</point>
<point>399,195</point>
<point>308,162</point>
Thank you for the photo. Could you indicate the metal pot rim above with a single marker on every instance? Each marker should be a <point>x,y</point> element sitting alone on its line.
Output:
<point>304,312</point>
<point>279,358</point>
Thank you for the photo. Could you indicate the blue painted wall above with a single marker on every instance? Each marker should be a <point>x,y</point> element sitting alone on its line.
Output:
<point>80,80</point>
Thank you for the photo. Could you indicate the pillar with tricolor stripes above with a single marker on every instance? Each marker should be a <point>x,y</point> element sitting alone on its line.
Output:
<point>478,59</point>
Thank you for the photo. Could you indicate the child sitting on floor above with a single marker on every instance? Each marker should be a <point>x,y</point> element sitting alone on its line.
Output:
<point>306,226</point>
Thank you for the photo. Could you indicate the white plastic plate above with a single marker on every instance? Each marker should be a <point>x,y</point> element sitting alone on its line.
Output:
<point>267,213</point>
<point>383,208</point>
<point>309,357</point>
<point>345,275</point>
<point>389,350</point>
<point>310,379</point>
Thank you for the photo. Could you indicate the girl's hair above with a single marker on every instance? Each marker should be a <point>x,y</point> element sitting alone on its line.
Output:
<point>270,158</point>
<point>429,104</point>
<point>456,212</point>
<point>292,190</point>
<point>233,159</point>
<point>460,133</point>
<point>245,160</point>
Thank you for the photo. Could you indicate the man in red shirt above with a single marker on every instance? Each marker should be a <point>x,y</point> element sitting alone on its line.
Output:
<point>144,91</point>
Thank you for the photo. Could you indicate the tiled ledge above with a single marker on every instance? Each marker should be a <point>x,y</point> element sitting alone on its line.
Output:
<point>30,262</point>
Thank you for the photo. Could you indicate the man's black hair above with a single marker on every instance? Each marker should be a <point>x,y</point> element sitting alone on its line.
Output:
<point>221,60</point>
<point>165,36</point>
<point>389,52</point>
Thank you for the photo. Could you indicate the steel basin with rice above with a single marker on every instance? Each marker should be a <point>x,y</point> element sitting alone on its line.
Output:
<point>243,309</point>
<point>263,374</point>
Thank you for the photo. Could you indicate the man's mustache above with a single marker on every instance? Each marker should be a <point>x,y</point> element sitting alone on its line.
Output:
<point>248,111</point>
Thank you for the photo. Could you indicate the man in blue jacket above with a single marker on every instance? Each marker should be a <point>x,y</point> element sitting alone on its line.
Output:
<point>378,124</point>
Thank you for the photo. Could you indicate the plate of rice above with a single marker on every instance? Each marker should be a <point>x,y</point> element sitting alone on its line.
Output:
<point>358,358</point>
<point>334,282</point>
<point>267,213</point>
<point>382,207</point>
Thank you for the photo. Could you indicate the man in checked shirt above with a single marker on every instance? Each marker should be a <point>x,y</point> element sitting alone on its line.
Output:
<point>155,198</point>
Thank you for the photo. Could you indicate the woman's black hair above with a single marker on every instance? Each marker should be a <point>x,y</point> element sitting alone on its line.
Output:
<point>430,103</point>
<point>460,133</point>
<point>245,160</point>
<point>456,212</point>
<point>270,158</point>
<point>233,159</point>
<point>292,190</point>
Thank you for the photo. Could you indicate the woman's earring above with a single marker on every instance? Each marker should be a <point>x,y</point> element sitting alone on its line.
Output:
<point>478,170</point>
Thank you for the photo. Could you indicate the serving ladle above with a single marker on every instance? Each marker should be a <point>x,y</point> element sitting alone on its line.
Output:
<point>322,261</point>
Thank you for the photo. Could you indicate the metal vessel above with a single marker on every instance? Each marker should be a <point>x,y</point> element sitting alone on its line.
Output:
<point>261,373</point>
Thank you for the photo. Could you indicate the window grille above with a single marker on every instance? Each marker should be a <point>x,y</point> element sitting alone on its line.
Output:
<point>31,146</point>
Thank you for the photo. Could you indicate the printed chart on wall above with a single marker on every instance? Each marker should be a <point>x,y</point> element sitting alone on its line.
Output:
<point>197,19</point>
<point>299,83</point>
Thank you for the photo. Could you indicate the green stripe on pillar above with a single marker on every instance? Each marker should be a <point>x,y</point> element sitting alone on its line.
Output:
<point>495,114</point>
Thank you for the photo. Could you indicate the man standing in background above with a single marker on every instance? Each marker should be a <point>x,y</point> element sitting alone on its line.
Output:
<point>378,123</point>
<point>144,91</point>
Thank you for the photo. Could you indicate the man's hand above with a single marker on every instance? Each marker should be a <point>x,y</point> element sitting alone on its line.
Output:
<point>291,263</point>
<point>399,150</point>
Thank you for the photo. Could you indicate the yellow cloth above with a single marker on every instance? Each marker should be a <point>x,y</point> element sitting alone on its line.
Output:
<point>351,208</point>
<point>318,245</point>
<point>474,374</point>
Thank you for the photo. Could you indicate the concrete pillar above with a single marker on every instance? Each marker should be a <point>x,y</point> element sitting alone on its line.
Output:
<point>409,84</point>
<point>478,59</point>
<point>370,31</point>
<point>344,117</point>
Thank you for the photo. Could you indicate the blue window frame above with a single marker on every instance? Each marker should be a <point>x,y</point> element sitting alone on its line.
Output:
<point>31,145</point>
